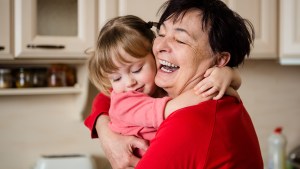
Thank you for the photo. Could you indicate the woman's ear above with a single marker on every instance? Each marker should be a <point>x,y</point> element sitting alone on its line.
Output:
<point>223,59</point>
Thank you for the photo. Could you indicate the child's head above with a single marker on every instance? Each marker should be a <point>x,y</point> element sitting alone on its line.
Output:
<point>123,58</point>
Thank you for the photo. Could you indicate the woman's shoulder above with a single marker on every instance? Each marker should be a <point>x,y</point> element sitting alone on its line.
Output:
<point>208,109</point>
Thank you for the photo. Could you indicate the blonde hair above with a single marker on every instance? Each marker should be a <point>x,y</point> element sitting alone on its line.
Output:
<point>128,33</point>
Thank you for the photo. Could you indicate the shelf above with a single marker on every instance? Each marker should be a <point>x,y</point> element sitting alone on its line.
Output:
<point>41,91</point>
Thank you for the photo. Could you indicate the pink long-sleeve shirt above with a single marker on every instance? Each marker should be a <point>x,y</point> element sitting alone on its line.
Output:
<point>135,113</point>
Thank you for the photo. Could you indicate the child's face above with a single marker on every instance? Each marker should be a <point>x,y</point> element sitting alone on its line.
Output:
<point>137,75</point>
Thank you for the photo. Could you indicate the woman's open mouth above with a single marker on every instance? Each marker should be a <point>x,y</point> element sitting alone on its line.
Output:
<point>167,66</point>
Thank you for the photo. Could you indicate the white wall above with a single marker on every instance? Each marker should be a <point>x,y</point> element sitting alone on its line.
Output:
<point>271,94</point>
<point>28,133</point>
<point>269,91</point>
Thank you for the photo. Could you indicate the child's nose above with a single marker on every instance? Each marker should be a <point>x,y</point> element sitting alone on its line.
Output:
<point>131,82</point>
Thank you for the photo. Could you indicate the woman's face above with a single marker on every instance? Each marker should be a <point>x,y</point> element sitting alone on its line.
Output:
<point>182,53</point>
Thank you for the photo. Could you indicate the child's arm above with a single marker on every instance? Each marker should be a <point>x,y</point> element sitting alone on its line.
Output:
<point>218,79</point>
<point>142,110</point>
<point>216,83</point>
<point>188,98</point>
<point>136,109</point>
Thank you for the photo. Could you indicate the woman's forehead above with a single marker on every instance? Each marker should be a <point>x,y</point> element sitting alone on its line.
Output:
<point>192,15</point>
<point>191,22</point>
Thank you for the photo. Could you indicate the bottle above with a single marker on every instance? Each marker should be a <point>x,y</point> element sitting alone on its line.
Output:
<point>57,76</point>
<point>39,77</point>
<point>277,150</point>
<point>23,78</point>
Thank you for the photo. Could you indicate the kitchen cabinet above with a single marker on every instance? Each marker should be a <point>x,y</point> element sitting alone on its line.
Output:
<point>263,15</point>
<point>42,33</point>
<point>53,28</point>
<point>147,10</point>
<point>289,32</point>
<point>5,30</point>
<point>267,16</point>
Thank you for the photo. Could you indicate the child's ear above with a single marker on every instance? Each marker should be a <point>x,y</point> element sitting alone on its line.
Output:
<point>223,59</point>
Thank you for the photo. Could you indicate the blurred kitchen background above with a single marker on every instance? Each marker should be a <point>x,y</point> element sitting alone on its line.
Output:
<point>46,40</point>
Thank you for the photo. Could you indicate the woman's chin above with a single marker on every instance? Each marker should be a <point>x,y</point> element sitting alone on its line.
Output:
<point>161,80</point>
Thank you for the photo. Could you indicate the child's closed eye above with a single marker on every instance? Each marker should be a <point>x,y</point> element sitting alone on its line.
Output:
<point>116,79</point>
<point>137,70</point>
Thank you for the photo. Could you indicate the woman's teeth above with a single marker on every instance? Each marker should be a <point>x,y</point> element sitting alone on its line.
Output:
<point>167,66</point>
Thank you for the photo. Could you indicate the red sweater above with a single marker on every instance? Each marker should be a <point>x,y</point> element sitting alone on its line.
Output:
<point>100,106</point>
<point>213,134</point>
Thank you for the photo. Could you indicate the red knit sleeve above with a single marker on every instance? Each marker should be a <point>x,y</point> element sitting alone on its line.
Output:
<point>100,106</point>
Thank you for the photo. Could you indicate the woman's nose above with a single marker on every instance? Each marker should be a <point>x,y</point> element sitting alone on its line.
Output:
<point>161,44</point>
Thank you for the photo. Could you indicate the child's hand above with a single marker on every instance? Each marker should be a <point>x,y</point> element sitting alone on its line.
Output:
<point>216,80</point>
<point>232,92</point>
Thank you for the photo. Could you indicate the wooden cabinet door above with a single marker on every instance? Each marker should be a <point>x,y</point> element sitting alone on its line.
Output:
<point>54,29</point>
<point>290,32</point>
<point>5,30</point>
<point>263,15</point>
<point>144,9</point>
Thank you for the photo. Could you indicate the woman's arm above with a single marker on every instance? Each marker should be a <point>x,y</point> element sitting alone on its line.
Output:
<point>118,148</point>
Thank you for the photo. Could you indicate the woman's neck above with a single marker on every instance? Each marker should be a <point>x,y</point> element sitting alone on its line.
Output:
<point>159,92</point>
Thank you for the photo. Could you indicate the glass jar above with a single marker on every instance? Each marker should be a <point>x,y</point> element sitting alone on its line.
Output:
<point>5,78</point>
<point>23,78</point>
<point>39,77</point>
<point>70,75</point>
<point>56,76</point>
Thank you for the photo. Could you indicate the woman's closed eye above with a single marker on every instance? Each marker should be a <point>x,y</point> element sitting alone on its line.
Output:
<point>176,39</point>
<point>180,41</point>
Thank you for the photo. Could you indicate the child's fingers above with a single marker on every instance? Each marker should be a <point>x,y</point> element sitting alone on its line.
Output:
<point>211,91</point>
<point>199,86</point>
<point>230,91</point>
<point>219,96</point>
<point>208,72</point>
<point>204,88</point>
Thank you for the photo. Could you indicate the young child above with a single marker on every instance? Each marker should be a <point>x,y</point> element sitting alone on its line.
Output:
<point>123,67</point>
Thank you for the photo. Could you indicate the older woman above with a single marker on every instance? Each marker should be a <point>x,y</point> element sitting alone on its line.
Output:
<point>192,37</point>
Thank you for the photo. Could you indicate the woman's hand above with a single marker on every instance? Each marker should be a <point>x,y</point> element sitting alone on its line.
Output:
<point>118,148</point>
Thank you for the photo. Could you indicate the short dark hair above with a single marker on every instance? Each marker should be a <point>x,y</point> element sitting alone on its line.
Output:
<point>227,30</point>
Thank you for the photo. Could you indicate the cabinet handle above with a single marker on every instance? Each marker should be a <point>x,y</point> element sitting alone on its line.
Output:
<point>2,47</point>
<point>46,46</point>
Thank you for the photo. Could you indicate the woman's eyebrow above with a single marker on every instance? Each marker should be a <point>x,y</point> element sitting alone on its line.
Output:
<point>186,32</point>
<point>181,30</point>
